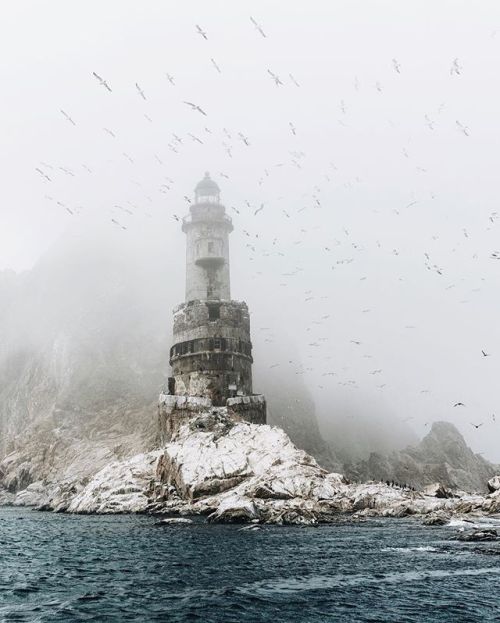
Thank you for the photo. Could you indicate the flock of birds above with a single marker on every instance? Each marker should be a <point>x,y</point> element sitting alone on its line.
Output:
<point>254,238</point>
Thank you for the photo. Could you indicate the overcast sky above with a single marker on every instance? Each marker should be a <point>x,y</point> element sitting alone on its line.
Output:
<point>376,161</point>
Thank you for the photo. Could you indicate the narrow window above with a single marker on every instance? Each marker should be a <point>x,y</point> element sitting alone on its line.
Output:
<point>213,312</point>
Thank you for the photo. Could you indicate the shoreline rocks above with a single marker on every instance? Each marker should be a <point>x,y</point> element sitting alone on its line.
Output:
<point>240,472</point>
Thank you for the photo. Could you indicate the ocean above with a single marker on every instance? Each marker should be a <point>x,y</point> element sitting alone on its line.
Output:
<point>132,568</point>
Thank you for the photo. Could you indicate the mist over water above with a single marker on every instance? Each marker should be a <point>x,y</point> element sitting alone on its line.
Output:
<point>370,270</point>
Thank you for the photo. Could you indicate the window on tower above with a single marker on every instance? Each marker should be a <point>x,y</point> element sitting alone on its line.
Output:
<point>213,312</point>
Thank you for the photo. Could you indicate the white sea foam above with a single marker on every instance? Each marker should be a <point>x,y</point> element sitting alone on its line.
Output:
<point>321,582</point>
<point>424,548</point>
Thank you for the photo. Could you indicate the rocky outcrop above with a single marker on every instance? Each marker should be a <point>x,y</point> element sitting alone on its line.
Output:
<point>494,484</point>
<point>234,471</point>
<point>442,456</point>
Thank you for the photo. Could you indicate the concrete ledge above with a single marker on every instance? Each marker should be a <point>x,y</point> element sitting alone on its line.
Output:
<point>170,403</point>
<point>252,401</point>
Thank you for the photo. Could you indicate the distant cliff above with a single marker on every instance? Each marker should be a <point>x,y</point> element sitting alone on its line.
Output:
<point>442,456</point>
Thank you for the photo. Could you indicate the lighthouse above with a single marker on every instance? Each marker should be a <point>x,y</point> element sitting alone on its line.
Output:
<point>211,355</point>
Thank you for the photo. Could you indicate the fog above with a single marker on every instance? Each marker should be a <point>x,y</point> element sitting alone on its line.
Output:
<point>374,257</point>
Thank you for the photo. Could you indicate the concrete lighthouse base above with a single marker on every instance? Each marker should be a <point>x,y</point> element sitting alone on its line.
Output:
<point>173,411</point>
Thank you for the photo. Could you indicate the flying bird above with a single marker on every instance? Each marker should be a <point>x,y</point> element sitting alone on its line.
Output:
<point>476,426</point>
<point>101,81</point>
<point>455,67</point>
<point>276,78</point>
<point>486,354</point>
<point>259,209</point>
<point>170,79</point>
<point>257,26</point>
<point>459,404</point>
<point>195,138</point>
<point>396,65</point>
<point>244,138</point>
<point>215,65</point>
<point>292,128</point>
<point>67,117</point>
<point>117,223</point>
<point>293,80</point>
<point>43,174</point>
<point>201,32</point>
<point>140,91</point>
<point>463,128</point>
<point>196,107</point>
<point>109,132</point>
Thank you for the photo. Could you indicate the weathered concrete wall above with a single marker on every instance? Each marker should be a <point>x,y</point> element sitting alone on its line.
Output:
<point>250,408</point>
<point>173,411</point>
<point>207,252</point>
<point>212,353</point>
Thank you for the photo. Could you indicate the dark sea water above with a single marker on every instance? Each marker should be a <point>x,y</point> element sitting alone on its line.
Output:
<point>128,568</point>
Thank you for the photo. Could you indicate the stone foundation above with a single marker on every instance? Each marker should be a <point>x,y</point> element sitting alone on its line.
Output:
<point>174,411</point>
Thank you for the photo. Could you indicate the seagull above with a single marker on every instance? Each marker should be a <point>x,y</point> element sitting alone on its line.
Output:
<point>459,404</point>
<point>463,128</point>
<point>195,138</point>
<point>117,223</point>
<point>216,66</point>
<point>476,425</point>
<point>140,91</point>
<point>430,124</point>
<point>455,67</point>
<point>101,81</point>
<point>396,65</point>
<point>43,174</point>
<point>196,107</point>
<point>67,117</point>
<point>293,80</point>
<point>276,78</point>
<point>486,354</point>
<point>170,79</point>
<point>244,138</point>
<point>257,26</point>
<point>292,128</point>
<point>258,209</point>
<point>201,32</point>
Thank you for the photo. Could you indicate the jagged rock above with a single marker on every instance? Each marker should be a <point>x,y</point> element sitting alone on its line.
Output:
<point>437,518</point>
<point>235,509</point>
<point>437,490</point>
<point>494,484</point>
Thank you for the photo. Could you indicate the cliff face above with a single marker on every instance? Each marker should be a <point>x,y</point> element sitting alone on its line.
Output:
<point>442,456</point>
<point>84,345</point>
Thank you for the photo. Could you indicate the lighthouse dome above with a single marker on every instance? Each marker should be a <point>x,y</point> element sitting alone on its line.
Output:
<point>207,189</point>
